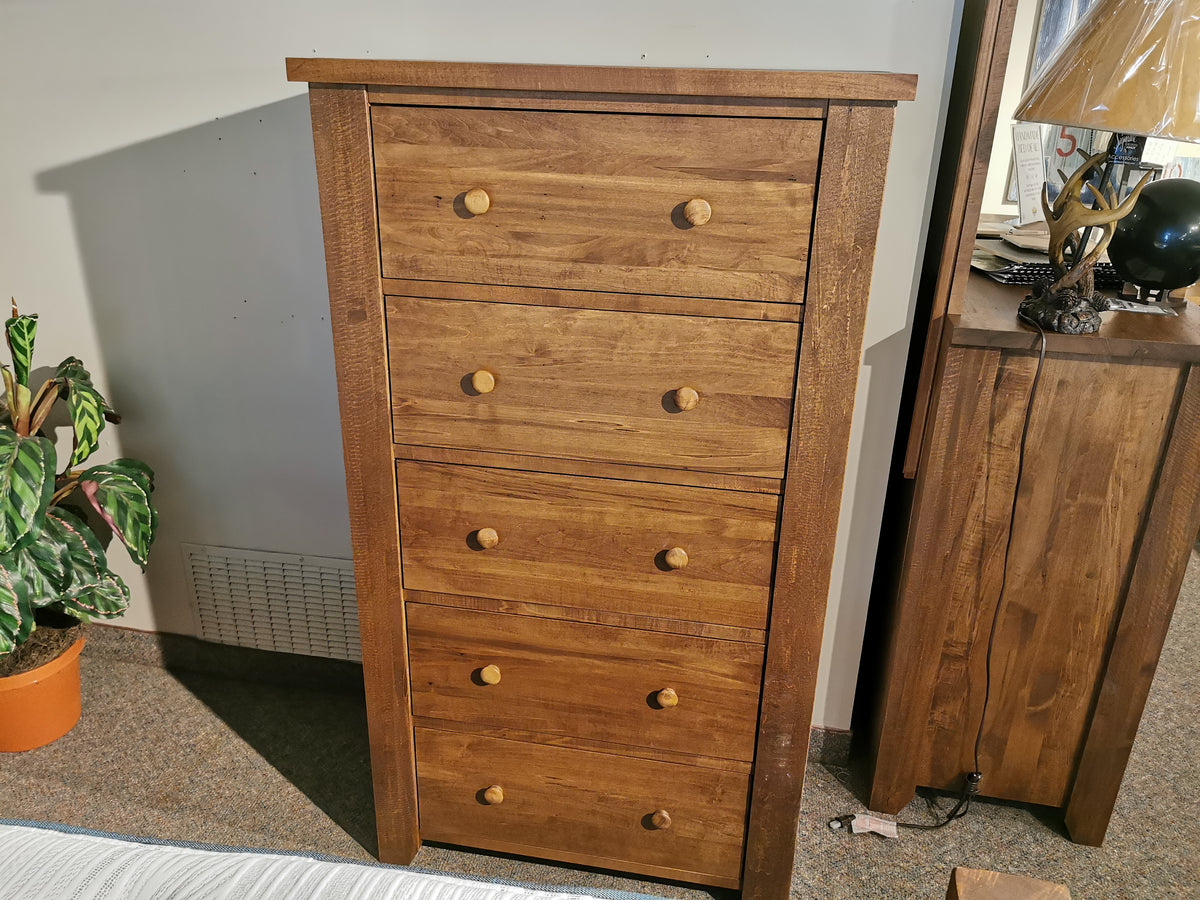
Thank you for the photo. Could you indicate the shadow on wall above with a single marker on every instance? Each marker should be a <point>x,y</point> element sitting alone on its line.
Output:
<point>204,265</point>
<point>879,423</point>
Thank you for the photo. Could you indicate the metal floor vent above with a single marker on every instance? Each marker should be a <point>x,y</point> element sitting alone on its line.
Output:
<point>274,601</point>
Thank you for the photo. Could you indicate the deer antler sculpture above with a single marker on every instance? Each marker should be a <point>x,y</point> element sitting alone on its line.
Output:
<point>1071,305</point>
<point>1070,214</point>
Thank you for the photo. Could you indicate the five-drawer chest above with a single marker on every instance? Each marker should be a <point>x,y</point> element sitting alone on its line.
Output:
<point>597,333</point>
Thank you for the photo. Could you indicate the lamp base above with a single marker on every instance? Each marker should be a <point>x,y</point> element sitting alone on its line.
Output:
<point>1065,311</point>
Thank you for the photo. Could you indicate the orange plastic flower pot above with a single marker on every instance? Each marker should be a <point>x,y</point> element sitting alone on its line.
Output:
<point>39,707</point>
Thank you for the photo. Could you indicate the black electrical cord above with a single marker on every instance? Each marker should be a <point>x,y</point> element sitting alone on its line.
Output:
<point>971,784</point>
<point>972,779</point>
<point>961,808</point>
<point>1012,518</point>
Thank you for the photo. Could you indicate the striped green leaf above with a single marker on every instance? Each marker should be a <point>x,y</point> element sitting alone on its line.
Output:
<point>40,565</point>
<point>71,371</point>
<point>120,492</point>
<point>88,409</point>
<point>21,331</point>
<point>16,614</point>
<point>90,590</point>
<point>26,484</point>
<point>48,552</point>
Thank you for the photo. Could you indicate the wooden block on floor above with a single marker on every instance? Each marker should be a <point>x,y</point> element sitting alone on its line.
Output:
<point>980,884</point>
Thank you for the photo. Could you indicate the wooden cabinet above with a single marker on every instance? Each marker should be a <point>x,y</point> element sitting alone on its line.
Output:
<point>1078,564</point>
<point>597,334</point>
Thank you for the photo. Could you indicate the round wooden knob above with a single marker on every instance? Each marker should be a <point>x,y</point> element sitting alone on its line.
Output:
<point>677,558</point>
<point>494,795</point>
<point>660,819</point>
<point>488,538</point>
<point>687,398</point>
<point>483,381</point>
<point>697,212</point>
<point>667,698</point>
<point>490,674</point>
<point>478,202</point>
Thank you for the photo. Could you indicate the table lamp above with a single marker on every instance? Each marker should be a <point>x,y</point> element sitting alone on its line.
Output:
<point>1130,67</point>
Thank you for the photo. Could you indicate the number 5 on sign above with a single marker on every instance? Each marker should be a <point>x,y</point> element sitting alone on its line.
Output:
<point>1067,142</point>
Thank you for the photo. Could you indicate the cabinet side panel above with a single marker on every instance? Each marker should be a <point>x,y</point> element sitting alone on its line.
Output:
<point>850,190</point>
<point>1086,482</point>
<point>1084,488</point>
<point>1158,569</point>
<point>960,515</point>
<point>341,136</point>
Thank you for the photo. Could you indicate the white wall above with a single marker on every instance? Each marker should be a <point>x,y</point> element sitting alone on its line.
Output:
<point>1000,166</point>
<point>159,210</point>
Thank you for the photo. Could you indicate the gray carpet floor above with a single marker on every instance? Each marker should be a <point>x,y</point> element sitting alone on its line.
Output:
<point>273,753</point>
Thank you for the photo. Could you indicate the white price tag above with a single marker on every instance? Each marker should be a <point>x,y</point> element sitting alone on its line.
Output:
<point>864,822</point>
<point>1031,170</point>
<point>1159,152</point>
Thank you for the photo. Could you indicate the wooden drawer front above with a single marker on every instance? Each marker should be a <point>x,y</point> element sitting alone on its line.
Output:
<point>587,681</point>
<point>581,383</point>
<point>597,201</point>
<point>589,543</point>
<point>581,807</point>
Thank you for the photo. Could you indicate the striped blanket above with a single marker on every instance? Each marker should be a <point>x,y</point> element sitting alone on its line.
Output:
<point>46,862</point>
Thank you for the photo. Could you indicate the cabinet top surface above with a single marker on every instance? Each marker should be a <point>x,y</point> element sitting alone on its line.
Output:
<point>862,86</point>
<point>989,319</point>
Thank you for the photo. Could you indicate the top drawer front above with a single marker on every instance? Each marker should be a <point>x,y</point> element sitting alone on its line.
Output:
<point>597,202</point>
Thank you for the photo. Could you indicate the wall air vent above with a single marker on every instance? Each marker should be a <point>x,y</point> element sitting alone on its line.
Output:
<point>274,601</point>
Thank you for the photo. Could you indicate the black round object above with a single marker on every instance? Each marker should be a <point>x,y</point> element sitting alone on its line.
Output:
<point>1158,244</point>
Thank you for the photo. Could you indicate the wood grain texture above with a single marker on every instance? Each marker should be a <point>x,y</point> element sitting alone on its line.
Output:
<point>1084,491</point>
<point>586,240</point>
<point>583,807</point>
<point>985,111</point>
<point>1158,569</point>
<point>961,210</point>
<point>598,616</point>
<point>508,733</point>
<point>588,543</point>
<point>620,471</point>
<point>852,178</point>
<point>971,401</point>
<point>989,319</point>
<point>578,101</point>
<point>592,384</point>
<point>606,79</point>
<point>346,186</point>
<point>979,884</point>
<point>668,306</point>
<point>1088,474</point>
<point>596,202</point>
<point>582,680</point>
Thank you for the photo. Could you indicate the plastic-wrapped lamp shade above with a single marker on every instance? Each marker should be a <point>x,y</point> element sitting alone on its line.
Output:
<point>1130,66</point>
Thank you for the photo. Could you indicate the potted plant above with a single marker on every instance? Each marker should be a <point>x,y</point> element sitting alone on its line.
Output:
<point>53,571</point>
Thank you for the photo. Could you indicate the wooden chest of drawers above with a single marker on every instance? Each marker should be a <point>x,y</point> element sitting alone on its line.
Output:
<point>597,336</point>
